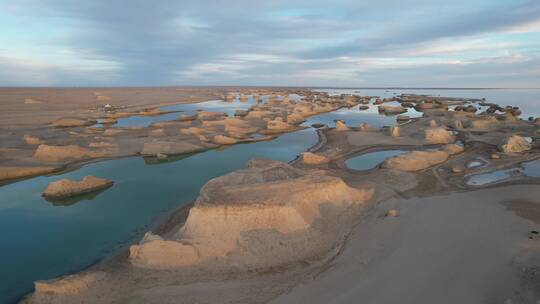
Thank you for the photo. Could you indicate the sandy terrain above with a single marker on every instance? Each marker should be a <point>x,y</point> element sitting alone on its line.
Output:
<point>459,248</point>
<point>30,107</point>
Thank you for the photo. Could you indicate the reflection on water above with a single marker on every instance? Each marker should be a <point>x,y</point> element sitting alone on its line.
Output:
<point>371,160</point>
<point>527,169</point>
<point>68,201</point>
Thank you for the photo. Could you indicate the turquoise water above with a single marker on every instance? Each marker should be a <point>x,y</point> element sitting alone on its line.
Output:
<point>44,240</point>
<point>371,160</point>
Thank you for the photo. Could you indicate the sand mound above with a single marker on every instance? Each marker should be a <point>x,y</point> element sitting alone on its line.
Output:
<point>415,160</point>
<point>65,188</point>
<point>263,216</point>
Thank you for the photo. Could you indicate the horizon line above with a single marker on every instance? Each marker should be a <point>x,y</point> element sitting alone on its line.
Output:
<point>274,86</point>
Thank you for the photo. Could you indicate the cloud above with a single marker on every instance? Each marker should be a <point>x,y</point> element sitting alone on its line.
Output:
<point>260,42</point>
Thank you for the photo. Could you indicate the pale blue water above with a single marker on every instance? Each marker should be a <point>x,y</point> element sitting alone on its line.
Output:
<point>527,99</point>
<point>42,240</point>
<point>371,160</point>
<point>530,169</point>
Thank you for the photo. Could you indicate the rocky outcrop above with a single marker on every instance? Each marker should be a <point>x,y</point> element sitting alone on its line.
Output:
<point>169,148</point>
<point>65,188</point>
<point>403,118</point>
<point>515,144</point>
<point>205,115</point>
<point>279,125</point>
<point>392,110</point>
<point>264,216</point>
<point>439,136</point>
<point>49,153</point>
<point>452,149</point>
<point>341,126</point>
<point>415,160</point>
<point>73,122</point>
<point>485,124</point>
<point>32,140</point>
<point>395,131</point>
<point>313,159</point>
<point>224,140</point>
<point>365,127</point>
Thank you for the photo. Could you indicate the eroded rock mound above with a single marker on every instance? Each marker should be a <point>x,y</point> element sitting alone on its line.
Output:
<point>452,149</point>
<point>341,126</point>
<point>313,159</point>
<point>515,144</point>
<point>32,140</point>
<point>64,153</point>
<point>224,140</point>
<point>392,110</point>
<point>415,160</point>
<point>263,216</point>
<point>439,136</point>
<point>65,188</point>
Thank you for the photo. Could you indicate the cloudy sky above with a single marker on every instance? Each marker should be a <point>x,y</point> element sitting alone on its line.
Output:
<point>359,43</point>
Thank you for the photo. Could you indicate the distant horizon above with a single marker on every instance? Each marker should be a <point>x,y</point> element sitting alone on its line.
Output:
<point>269,86</point>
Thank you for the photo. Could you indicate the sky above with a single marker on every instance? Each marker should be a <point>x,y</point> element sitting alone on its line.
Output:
<point>339,43</point>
